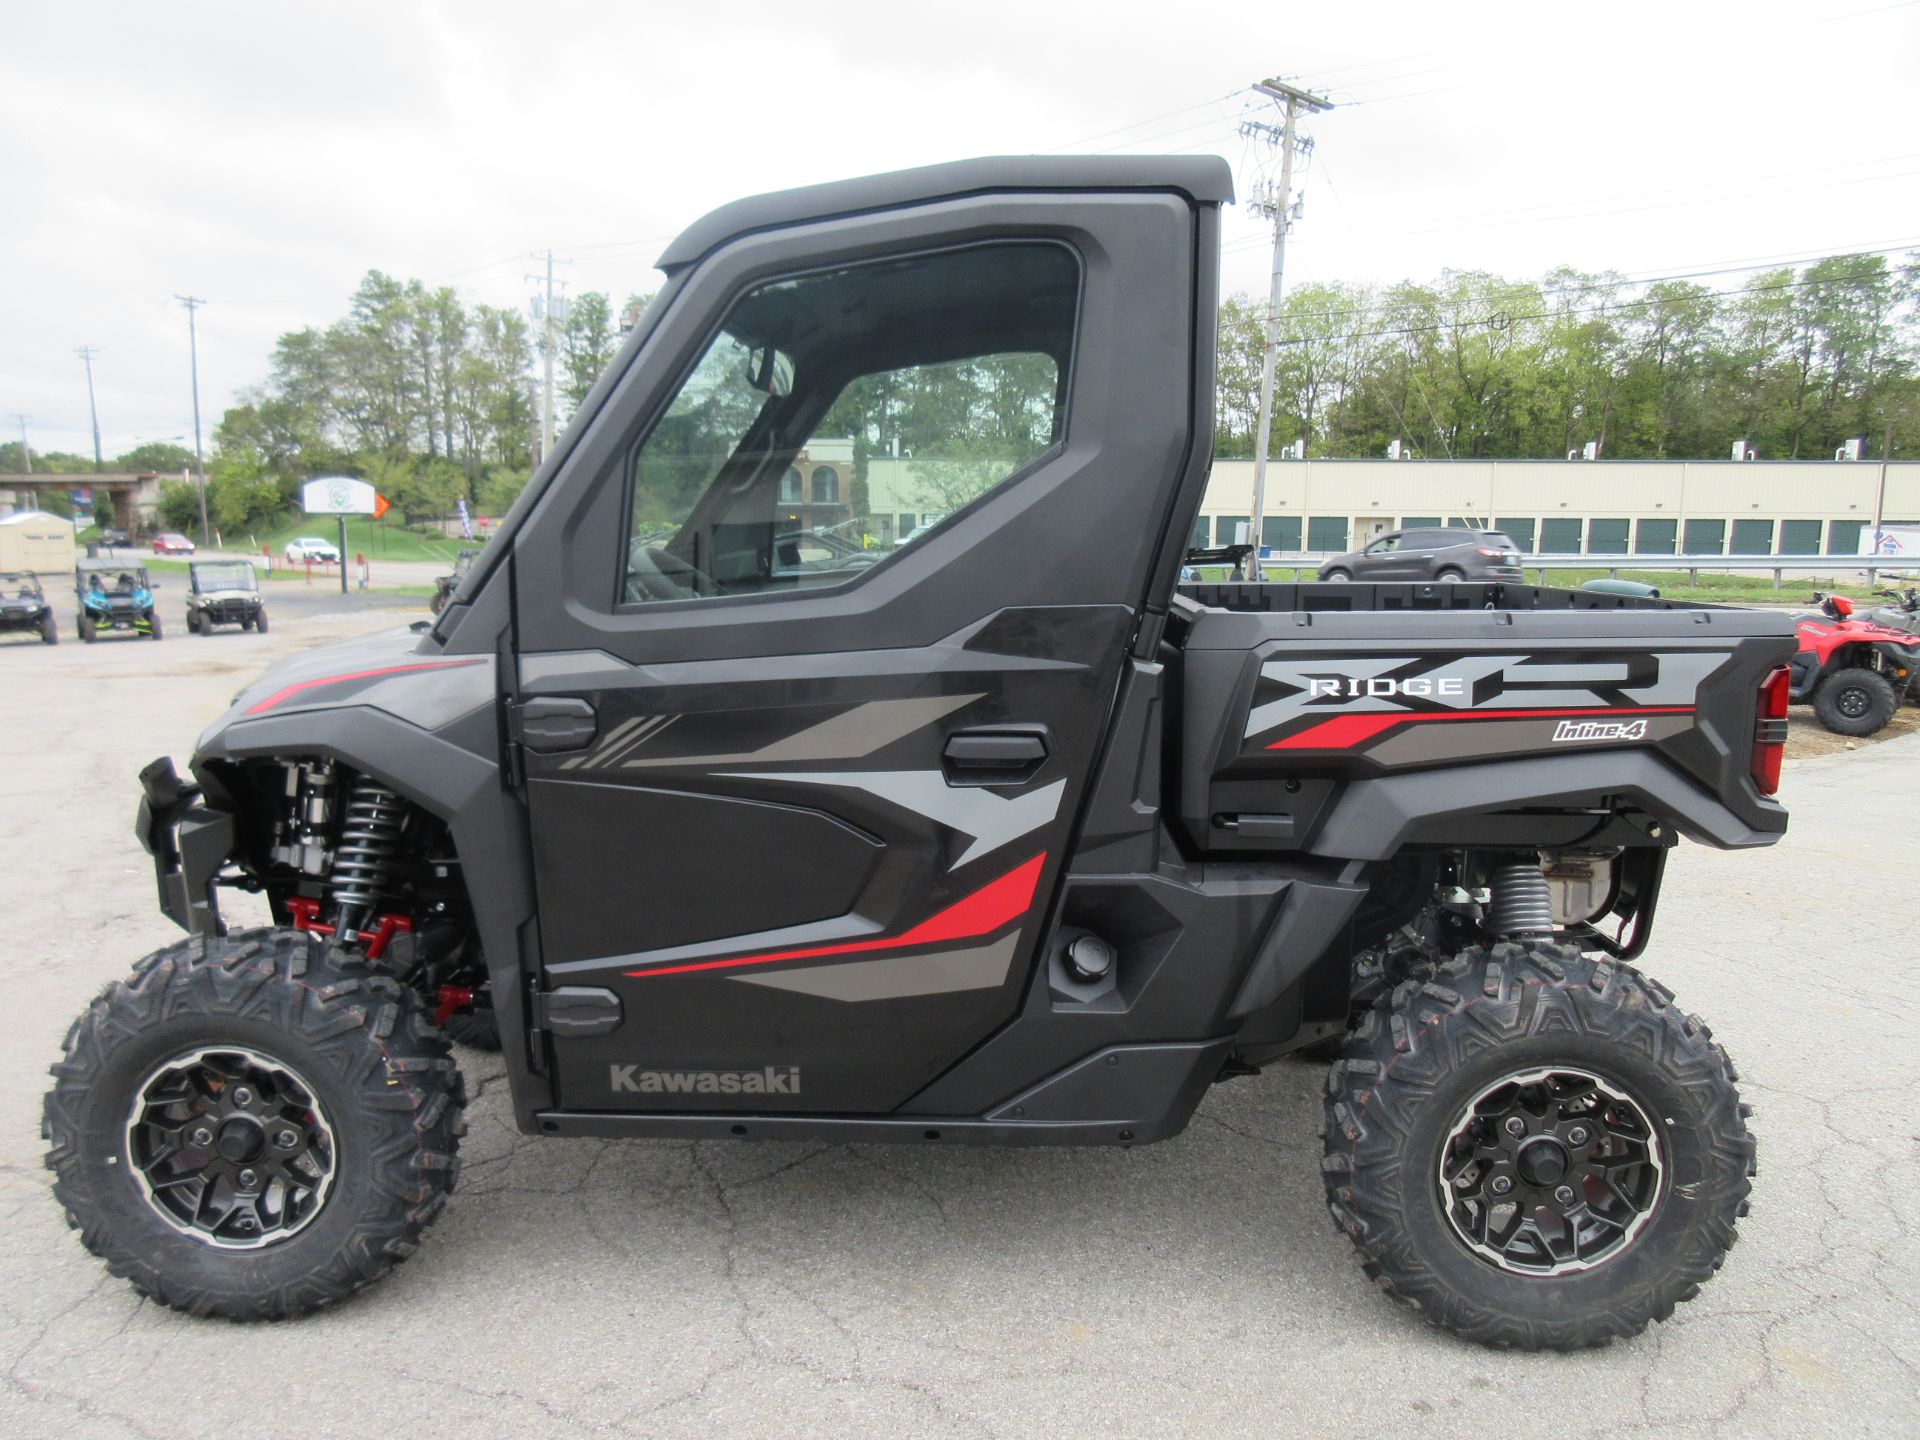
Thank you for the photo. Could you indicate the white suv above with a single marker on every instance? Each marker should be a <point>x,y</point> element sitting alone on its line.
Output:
<point>311,547</point>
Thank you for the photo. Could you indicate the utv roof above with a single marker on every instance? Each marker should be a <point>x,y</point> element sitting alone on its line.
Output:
<point>1205,178</point>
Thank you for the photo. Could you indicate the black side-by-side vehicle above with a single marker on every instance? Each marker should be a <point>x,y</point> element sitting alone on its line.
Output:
<point>997,840</point>
<point>24,607</point>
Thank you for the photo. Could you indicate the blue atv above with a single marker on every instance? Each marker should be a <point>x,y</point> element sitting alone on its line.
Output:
<point>114,596</point>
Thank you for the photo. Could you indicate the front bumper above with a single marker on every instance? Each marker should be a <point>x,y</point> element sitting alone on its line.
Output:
<point>189,843</point>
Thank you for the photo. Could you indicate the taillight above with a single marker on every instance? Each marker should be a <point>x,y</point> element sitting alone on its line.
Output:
<point>1770,731</point>
<point>1495,554</point>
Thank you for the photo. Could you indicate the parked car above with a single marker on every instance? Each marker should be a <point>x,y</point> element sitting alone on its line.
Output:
<point>114,596</point>
<point>111,538</point>
<point>312,548</point>
<point>1444,554</point>
<point>24,607</point>
<point>168,543</point>
<point>1013,844</point>
<point>223,592</point>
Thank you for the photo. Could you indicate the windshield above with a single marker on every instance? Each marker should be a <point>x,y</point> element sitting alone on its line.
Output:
<point>18,584</point>
<point>114,580</point>
<point>233,575</point>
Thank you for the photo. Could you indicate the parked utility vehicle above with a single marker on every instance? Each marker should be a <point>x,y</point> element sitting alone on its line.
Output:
<point>224,592</point>
<point>24,607</point>
<point>1000,840</point>
<point>114,595</point>
<point>1852,668</point>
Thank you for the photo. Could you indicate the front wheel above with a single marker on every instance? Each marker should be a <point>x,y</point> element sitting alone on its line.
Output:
<point>86,629</point>
<point>153,625</point>
<point>260,621</point>
<point>251,1127</point>
<point>1535,1149</point>
<point>1855,701</point>
<point>49,631</point>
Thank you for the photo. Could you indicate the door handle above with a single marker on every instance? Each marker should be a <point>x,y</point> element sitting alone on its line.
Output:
<point>550,724</point>
<point>995,755</point>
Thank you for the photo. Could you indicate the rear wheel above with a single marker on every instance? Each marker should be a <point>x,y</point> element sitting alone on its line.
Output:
<point>1535,1149</point>
<point>1450,577</point>
<point>251,1127</point>
<point>1337,577</point>
<point>1855,701</point>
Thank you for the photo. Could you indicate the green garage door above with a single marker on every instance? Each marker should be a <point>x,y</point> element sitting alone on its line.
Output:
<point>1655,537</point>
<point>1281,533</point>
<point>1560,536</point>
<point>1843,537</point>
<point>1606,537</point>
<point>1327,532</point>
<point>1198,539</point>
<point>1518,531</point>
<point>1753,537</point>
<point>1420,522</point>
<point>1799,537</point>
<point>1226,529</point>
<point>1705,537</point>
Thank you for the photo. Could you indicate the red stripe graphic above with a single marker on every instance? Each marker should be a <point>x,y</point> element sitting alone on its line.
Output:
<point>291,690</point>
<point>981,913</point>
<point>1343,732</point>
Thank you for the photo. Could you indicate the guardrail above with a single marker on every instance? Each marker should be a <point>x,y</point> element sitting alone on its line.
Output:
<point>1873,565</point>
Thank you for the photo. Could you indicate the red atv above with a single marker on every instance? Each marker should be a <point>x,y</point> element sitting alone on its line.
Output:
<point>1853,670</point>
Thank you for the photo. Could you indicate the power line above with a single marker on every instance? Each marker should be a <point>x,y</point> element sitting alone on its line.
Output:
<point>26,450</point>
<point>1142,124</point>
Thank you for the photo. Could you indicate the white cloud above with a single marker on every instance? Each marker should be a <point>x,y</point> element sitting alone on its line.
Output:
<point>266,157</point>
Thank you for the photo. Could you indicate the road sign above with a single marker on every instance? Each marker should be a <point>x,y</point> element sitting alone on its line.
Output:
<point>339,495</point>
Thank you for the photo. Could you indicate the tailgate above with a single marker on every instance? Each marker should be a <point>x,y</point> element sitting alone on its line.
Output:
<point>1286,713</point>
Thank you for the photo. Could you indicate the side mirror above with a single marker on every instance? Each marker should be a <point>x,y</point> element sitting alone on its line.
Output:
<point>770,371</point>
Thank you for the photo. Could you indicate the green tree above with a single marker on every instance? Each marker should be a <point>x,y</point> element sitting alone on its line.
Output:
<point>161,457</point>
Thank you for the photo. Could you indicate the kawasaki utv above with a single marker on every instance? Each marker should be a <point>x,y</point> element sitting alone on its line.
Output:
<point>998,840</point>
<point>24,607</point>
<point>224,592</point>
<point>114,596</point>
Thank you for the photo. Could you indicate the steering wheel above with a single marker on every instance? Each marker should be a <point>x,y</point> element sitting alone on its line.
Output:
<point>654,573</point>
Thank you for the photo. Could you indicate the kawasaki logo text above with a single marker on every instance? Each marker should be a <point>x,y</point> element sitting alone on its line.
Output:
<point>784,1080</point>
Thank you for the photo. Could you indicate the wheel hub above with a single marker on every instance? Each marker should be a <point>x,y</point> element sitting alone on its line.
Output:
<point>1550,1171</point>
<point>1542,1161</point>
<point>230,1146</point>
<point>241,1139</point>
<point>1853,702</point>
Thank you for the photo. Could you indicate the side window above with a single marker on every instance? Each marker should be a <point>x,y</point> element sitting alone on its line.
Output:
<point>830,404</point>
<point>1384,546</point>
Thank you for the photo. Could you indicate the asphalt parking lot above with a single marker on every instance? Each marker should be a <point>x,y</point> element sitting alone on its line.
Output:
<point>1191,1288</point>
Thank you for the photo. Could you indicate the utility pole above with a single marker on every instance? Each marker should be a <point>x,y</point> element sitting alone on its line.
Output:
<point>26,450</point>
<point>1281,206</point>
<point>86,354</point>
<point>547,316</point>
<point>193,303</point>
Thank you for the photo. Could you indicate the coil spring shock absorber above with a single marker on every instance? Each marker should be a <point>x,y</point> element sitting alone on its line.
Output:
<point>1522,907</point>
<point>363,860</point>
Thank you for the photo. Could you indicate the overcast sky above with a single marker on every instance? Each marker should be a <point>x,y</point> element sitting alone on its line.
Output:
<point>264,157</point>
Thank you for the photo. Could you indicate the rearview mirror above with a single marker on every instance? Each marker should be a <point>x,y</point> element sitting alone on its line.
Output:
<point>770,371</point>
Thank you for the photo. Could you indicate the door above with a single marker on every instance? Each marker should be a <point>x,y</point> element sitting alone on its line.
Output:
<point>1380,560</point>
<point>800,791</point>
